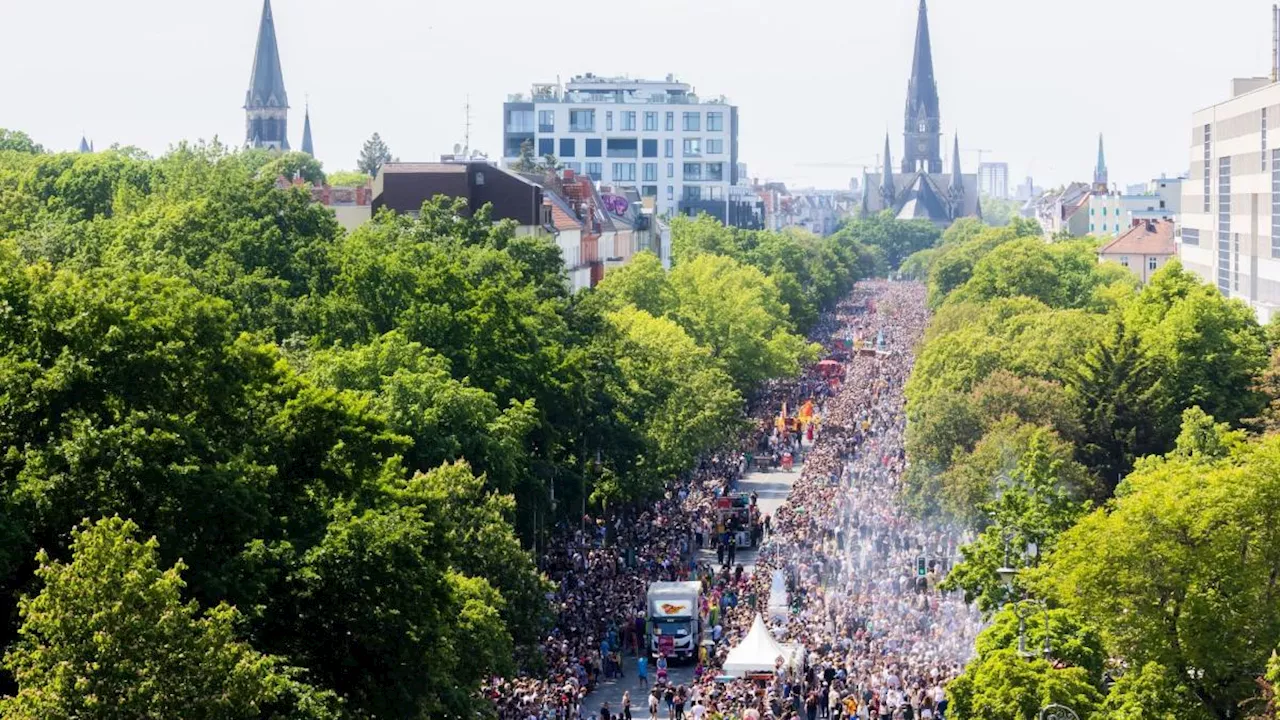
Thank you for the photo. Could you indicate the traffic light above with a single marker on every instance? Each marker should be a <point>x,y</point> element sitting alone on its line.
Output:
<point>922,566</point>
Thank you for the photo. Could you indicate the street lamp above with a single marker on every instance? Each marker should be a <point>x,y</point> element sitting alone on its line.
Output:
<point>1007,575</point>
<point>1058,712</point>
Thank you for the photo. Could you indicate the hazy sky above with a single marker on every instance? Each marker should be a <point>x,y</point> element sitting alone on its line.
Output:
<point>818,82</point>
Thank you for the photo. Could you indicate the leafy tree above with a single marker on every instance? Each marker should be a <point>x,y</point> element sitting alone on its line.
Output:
<point>897,238</point>
<point>1033,504</point>
<point>1179,571</point>
<point>1151,692</point>
<point>641,283</point>
<point>109,636</point>
<point>373,156</point>
<point>294,164</point>
<point>18,141</point>
<point>734,311</point>
<point>527,162</point>
<point>348,178</point>
<point>1125,414</point>
<point>694,236</point>
<point>1073,642</point>
<point>1003,686</point>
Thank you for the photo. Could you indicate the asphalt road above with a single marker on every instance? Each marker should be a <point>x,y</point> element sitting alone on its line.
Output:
<point>771,489</point>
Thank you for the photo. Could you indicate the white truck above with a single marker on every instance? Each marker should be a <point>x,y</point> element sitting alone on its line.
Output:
<point>675,624</point>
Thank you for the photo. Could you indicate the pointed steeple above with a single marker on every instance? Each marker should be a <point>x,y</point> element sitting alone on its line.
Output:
<point>1100,183</point>
<point>84,145</point>
<point>266,83</point>
<point>957,178</point>
<point>888,195</point>
<point>306,133</point>
<point>923,117</point>
<point>266,104</point>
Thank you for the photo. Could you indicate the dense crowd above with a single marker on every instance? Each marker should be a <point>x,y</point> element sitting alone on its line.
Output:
<point>862,574</point>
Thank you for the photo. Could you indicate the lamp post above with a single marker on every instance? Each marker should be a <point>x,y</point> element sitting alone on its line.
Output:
<point>1058,712</point>
<point>1007,575</point>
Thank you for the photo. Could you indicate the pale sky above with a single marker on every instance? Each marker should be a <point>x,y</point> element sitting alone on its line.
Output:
<point>818,82</point>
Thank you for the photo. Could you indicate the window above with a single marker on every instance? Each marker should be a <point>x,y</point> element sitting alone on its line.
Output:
<point>594,170</point>
<point>1224,225</point>
<point>1191,236</point>
<point>624,172</point>
<point>582,121</point>
<point>715,171</point>
<point>713,192</point>
<point>1207,169</point>
<point>671,193</point>
<point>715,121</point>
<point>692,193</point>
<point>546,146</point>
<point>1091,211</point>
<point>671,121</point>
<point>1117,227</point>
<point>520,121</point>
<point>629,120</point>
<point>693,171</point>
<point>692,147</point>
<point>671,170</point>
<point>651,172</point>
<point>1090,227</point>
<point>649,148</point>
<point>1153,262</point>
<point>1264,139</point>
<point>567,147</point>
<point>479,178</point>
<point>1124,260</point>
<point>608,120</point>
<point>668,148</point>
<point>593,147</point>
<point>1104,212</point>
<point>651,123</point>
<point>1275,209</point>
<point>692,121</point>
<point>546,121</point>
<point>715,147</point>
<point>620,147</point>
<point>649,190</point>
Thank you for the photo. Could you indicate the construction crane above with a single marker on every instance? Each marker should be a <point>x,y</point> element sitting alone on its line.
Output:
<point>980,151</point>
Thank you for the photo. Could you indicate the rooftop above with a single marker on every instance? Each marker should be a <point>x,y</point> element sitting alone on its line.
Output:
<point>1147,237</point>
<point>590,88</point>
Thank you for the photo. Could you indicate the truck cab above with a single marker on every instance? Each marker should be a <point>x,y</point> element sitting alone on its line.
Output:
<point>675,624</point>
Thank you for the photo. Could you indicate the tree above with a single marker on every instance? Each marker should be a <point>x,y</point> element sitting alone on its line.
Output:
<point>897,238</point>
<point>373,156</point>
<point>734,311</point>
<point>1151,692</point>
<point>18,141</point>
<point>290,165</point>
<point>527,162</point>
<point>1002,686</point>
<point>1125,413</point>
<point>641,283</point>
<point>1179,570</point>
<point>347,178</point>
<point>109,636</point>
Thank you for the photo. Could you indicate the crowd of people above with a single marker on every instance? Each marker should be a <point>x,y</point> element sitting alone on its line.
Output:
<point>861,573</point>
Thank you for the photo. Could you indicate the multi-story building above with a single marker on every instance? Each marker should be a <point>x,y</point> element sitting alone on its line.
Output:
<point>1144,248</point>
<point>1112,213</point>
<point>1230,232</point>
<point>657,137</point>
<point>993,180</point>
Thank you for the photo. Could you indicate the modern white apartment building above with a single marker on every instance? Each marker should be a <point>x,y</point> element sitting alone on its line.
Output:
<point>1112,213</point>
<point>655,136</point>
<point>1230,232</point>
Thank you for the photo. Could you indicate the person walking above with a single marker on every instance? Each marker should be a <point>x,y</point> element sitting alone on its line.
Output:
<point>626,705</point>
<point>653,703</point>
<point>642,671</point>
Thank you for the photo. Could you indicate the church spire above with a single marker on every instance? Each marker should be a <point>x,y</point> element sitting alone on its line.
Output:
<point>1100,183</point>
<point>266,104</point>
<point>84,145</point>
<point>957,178</point>
<point>306,133</point>
<point>888,195</point>
<point>923,132</point>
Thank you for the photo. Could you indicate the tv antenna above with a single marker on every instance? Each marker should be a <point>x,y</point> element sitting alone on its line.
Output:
<point>467,136</point>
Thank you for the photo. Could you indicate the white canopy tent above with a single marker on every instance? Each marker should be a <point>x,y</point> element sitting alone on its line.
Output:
<point>757,653</point>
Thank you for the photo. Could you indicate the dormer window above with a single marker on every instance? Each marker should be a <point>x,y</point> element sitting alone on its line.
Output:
<point>479,178</point>
<point>924,126</point>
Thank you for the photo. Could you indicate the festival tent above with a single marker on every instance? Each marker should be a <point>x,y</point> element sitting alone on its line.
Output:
<point>757,653</point>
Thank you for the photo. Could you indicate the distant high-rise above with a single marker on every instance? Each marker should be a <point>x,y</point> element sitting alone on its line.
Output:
<point>266,104</point>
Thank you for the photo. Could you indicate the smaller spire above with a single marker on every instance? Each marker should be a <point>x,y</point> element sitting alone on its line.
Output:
<point>1100,183</point>
<point>306,132</point>
<point>84,145</point>
<point>887,192</point>
<point>957,178</point>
